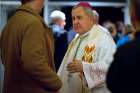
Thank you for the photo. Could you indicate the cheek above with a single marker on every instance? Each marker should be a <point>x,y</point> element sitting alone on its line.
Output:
<point>87,25</point>
<point>63,23</point>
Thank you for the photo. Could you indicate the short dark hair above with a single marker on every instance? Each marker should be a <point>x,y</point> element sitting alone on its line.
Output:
<point>25,1</point>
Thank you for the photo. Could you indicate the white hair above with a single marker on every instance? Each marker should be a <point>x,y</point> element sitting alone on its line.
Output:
<point>95,13</point>
<point>57,14</point>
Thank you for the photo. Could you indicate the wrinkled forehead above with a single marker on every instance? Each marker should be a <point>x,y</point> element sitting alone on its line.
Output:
<point>78,11</point>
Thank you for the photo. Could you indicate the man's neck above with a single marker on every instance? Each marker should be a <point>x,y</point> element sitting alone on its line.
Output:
<point>35,6</point>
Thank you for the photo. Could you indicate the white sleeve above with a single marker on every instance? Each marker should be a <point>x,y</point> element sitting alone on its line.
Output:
<point>95,73</point>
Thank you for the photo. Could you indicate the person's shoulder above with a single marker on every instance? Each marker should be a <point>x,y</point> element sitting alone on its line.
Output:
<point>130,47</point>
<point>27,16</point>
<point>133,43</point>
<point>31,17</point>
<point>102,31</point>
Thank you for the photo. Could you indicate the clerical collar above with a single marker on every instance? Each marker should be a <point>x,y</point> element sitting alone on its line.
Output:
<point>85,34</point>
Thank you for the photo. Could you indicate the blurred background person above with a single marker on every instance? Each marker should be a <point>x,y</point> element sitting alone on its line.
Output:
<point>127,36</point>
<point>112,29</point>
<point>123,75</point>
<point>120,28</point>
<point>60,36</point>
<point>27,52</point>
<point>71,34</point>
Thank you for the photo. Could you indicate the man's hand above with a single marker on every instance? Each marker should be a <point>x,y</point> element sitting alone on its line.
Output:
<point>75,66</point>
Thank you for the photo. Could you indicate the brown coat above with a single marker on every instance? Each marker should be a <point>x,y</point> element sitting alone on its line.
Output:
<point>27,54</point>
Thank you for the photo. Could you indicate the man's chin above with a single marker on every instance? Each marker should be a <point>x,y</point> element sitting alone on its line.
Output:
<point>77,31</point>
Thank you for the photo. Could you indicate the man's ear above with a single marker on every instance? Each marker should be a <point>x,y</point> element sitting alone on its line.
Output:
<point>91,17</point>
<point>94,19</point>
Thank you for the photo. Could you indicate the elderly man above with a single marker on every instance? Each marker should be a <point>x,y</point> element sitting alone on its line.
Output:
<point>88,57</point>
<point>60,35</point>
<point>123,75</point>
<point>27,52</point>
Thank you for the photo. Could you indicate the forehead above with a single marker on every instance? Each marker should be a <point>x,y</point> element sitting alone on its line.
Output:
<point>78,11</point>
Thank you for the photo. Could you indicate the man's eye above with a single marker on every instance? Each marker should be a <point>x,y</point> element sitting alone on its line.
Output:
<point>79,17</point>
<point>73,18</point>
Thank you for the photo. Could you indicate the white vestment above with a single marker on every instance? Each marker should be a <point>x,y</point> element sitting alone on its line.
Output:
<point>94,72</point>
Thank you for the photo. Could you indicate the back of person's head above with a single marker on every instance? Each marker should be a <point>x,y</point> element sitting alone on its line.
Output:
<point>36,5</point>
<point>25,1</point>
<point>111,27</point>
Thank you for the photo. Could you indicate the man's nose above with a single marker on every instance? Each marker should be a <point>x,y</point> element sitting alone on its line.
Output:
<point>75,21</point>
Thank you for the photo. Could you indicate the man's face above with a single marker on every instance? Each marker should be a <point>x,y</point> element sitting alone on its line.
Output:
<point>82,22</point>
<point>61,23</point>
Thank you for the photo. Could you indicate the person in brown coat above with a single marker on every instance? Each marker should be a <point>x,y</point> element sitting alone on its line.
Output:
<point>27,52</point>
